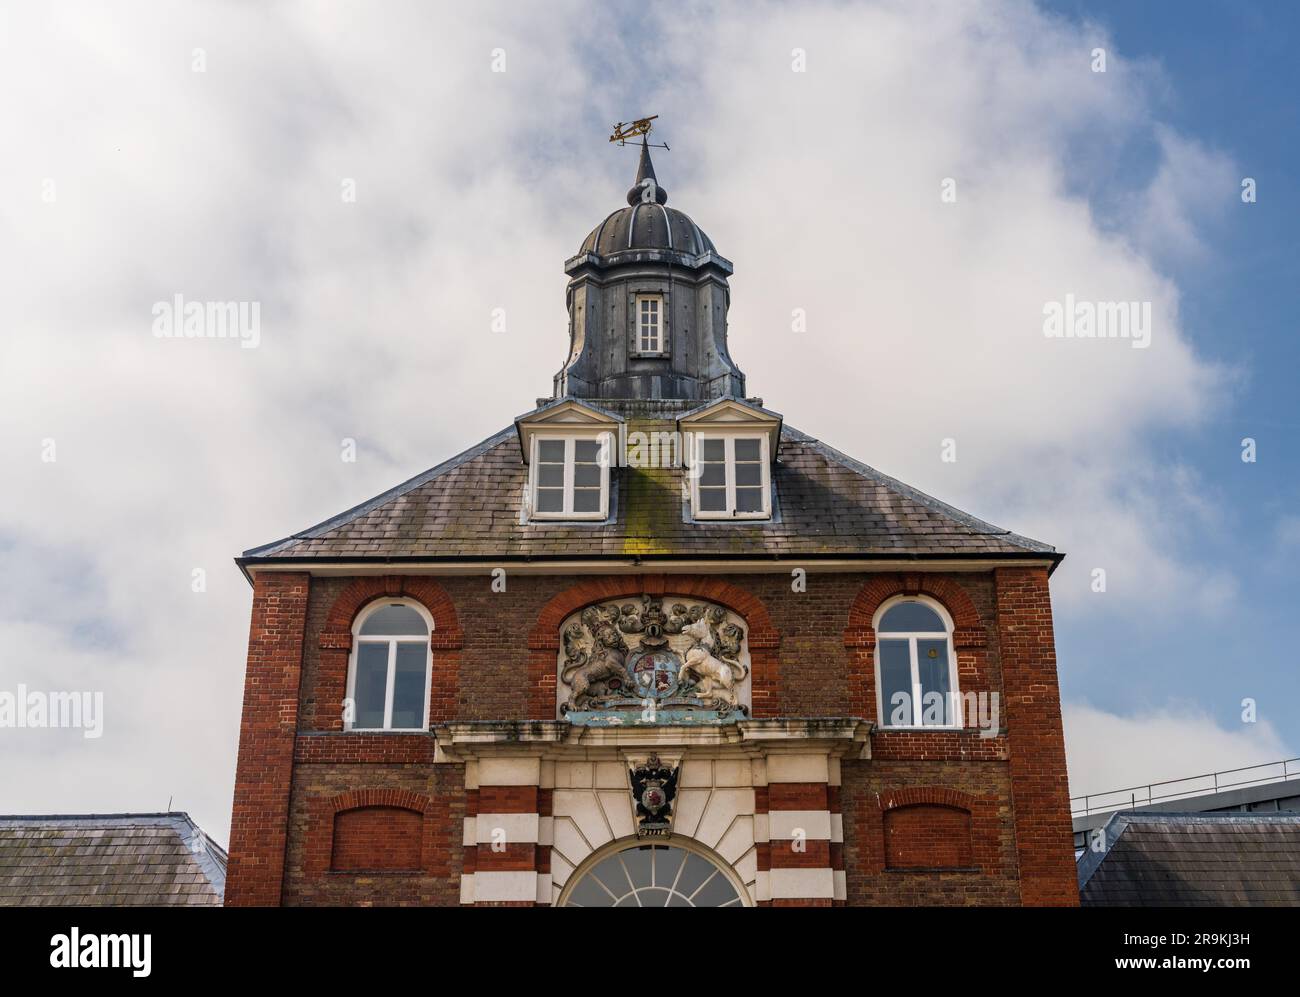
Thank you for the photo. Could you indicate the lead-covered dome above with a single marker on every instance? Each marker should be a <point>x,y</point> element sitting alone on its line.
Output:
<point>647,222</point>
<point>647,226</point>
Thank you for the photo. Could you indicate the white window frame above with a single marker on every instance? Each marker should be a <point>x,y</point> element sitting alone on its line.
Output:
<point>729,441</point>
<point>660,341</point>
<point>570,448</point>
<point>953,708</point>
<point>390,681</point>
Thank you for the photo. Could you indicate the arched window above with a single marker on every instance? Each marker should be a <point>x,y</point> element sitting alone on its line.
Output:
<point>645,875</point>
<point>916,670</point>
<point>388,678</point>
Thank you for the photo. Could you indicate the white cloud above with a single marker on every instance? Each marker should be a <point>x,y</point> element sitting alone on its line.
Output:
<point>473,187</point>
<point>1288,530</point>
<point>1192,184</point>
<point>1109,752</point>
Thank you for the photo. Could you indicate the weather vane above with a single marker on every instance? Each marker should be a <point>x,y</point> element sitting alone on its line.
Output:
<point>625,130</point>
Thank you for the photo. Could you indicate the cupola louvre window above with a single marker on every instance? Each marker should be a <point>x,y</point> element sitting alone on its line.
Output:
<point>388,684</point>
<point>917,674</point>
<point>732,480</point>
<point>649,324</point>
<point>570,478</point>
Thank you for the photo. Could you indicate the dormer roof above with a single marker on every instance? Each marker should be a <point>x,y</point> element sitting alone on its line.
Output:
<point>568,414</point>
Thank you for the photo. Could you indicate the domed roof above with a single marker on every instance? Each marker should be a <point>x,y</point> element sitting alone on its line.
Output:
<point>647,222</point>
<point>647,226</point>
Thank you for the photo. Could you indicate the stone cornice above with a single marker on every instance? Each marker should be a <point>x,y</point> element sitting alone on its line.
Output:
<point>465,740</point>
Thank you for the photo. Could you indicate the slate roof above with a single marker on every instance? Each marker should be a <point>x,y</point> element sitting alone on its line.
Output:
<point>1194,860</point>
<point>826,505</point>
<point>118,860</point>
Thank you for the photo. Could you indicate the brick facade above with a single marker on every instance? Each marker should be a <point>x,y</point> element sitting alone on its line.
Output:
<point>324,816</point>
<point>264,768</point>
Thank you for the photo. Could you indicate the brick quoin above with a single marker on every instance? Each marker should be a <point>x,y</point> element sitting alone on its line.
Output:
<point>508,799</point>
<point>798,796</point>
<point>264,766</point>
<point>1039,784</point>
<point>507,857</point>
<point>813,853</point>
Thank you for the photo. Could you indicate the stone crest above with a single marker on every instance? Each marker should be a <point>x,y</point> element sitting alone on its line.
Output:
<point>653,661</point>
<point>654,785</point>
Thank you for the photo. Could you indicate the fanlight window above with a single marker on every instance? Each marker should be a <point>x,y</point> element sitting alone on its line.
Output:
<point>388,681</point>
<point>654,876</point>
<point>916,670</point>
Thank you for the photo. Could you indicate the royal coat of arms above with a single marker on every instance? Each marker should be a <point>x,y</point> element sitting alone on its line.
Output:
<point>641,663</point>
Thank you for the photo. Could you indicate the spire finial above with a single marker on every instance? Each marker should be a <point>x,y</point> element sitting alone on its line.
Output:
<point>646,190</point>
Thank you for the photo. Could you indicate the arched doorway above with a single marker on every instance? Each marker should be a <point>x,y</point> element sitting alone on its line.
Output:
<point>670,873</point>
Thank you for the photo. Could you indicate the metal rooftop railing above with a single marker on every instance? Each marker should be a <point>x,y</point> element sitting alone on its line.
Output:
<point>1181,789</point>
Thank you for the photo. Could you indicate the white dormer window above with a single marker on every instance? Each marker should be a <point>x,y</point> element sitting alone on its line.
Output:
<point>649,323</point>
<point>570,477</point>
<point>730,477</point>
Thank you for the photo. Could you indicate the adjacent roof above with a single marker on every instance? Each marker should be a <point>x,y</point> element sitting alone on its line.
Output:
<point>1194,860</point>
<point>114,860</point>
<point>826,505</point>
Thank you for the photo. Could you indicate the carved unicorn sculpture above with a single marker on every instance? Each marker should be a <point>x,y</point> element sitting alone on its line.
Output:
<point>714,677</point>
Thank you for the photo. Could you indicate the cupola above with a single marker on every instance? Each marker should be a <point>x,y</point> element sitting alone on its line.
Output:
<point>647,301</point>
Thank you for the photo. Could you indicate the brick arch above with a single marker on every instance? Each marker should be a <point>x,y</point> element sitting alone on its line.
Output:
<point>938,796</point>
<point>363,591</point>
<point>400,798</point>
<point>319,843</point>
<point>985,845</point>
<point>968,628</point>
<point>544,641</point>
<point>335,642</point>
<point>925,836</point>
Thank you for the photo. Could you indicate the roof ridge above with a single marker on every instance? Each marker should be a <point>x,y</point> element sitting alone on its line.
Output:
<point>918,496</point>
<point>159,816</point>
<point>1209,816</point>
<point>357,511</point>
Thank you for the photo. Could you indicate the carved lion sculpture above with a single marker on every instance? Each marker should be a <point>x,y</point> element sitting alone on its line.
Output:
<point>714,678</point>
<point>593,676</point>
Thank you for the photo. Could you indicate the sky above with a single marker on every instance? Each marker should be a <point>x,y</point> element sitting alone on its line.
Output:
<point>920,179</point>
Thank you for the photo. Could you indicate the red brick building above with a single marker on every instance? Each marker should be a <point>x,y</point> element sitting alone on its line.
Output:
<point>650,645</point>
